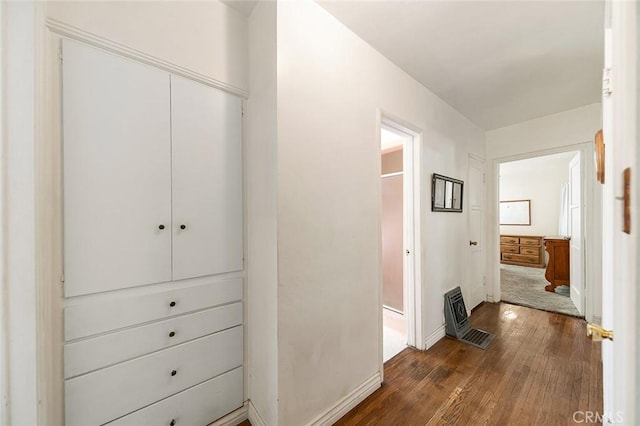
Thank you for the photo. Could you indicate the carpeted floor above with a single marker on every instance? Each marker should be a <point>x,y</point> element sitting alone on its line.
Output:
<point>524,286</point>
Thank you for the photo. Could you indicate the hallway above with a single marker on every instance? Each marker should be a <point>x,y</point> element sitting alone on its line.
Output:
<point>540,369</point>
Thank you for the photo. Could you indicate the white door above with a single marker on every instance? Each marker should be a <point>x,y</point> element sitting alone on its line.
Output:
<point>207,180</point>
<point>116,171</point>
<point>619,309</point>
<point>474,192</point>
<point>576,261</point>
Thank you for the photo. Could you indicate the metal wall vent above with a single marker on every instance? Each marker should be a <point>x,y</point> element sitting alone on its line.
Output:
<point>457,322</point>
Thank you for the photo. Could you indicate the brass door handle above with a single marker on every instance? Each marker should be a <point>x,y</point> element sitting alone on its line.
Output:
<point>597,333</point>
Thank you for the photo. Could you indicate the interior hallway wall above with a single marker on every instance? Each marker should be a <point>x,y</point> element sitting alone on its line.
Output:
<point>331,86</point>
<point>261,203</point>
<point>538,180</point>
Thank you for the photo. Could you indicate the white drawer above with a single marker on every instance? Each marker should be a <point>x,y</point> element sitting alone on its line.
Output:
<point>86,319</point>
<point>91,354</point>
<point>112,392</point>
<point>197,406</point>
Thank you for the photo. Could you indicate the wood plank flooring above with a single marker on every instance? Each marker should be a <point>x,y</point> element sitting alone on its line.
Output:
<point>539,370</point>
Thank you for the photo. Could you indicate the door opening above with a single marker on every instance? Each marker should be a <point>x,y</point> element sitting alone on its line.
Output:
<point>398,231</point>
<point>393,295</point>
<point>542,262</point>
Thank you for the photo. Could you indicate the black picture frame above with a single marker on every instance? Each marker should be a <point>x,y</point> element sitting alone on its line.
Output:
<point>446,194</point>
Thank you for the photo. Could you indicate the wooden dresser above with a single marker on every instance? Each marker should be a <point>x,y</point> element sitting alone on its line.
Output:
<point>522,250</point>
<point>558,270</point>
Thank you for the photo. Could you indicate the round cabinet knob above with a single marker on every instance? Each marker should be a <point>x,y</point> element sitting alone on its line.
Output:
<point>173,372</point>
<point>172,422</point>
<point>183,226</point>
<point>161,227</point>
<point>172,333</point>
<point>172,304</point>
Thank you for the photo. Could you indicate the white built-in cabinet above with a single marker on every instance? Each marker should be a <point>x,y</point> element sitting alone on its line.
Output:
<point>153,243</point>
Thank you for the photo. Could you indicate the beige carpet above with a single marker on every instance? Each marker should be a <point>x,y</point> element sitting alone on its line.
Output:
<point>524,286</point>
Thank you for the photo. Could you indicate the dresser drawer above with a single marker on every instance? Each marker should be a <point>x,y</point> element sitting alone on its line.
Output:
<point>529,241</point>
<point>524,258</point>
<point>535,251</point>
<point>91,354</point>
<point>504,248</point>
<point>197,406</point>
<point>104,395</point>
<point>509,240</point>
<point>89,318</point>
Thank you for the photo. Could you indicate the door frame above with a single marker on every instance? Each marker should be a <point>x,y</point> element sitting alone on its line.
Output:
<point>592,283</point>
<point>412,230</point>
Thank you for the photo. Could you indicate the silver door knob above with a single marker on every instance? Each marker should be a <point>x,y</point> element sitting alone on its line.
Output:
<point>473,243</point>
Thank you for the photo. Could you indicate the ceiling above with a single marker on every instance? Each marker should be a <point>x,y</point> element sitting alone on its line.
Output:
<point>497,62</point>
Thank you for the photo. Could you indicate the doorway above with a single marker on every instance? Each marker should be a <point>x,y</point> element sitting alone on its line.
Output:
<point>398,236</point>
<point>543,257</point>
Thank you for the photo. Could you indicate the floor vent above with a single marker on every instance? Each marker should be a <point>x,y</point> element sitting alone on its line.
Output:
<point>457,322</point>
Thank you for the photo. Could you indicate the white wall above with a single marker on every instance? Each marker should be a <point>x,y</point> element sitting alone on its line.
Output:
<point>552,131</point>
<point>330,87</point>
<point>205,37</point>
<point>18,263</point>
<point>539,180</point>
<point>261,201</point>
<point>551,134</point>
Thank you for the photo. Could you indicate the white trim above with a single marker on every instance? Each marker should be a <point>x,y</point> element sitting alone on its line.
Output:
<point>392,174</point>
<point>234,418</point>
<point>254,416</point>
<point>435,337</point>
<point>347,403</point>
<point>115,47</point>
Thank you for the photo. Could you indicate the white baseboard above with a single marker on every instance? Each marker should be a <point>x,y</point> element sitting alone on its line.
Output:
<point>234,418</point>
<point>254,416</point>
<point>345,405</point>
<point>434,337</point>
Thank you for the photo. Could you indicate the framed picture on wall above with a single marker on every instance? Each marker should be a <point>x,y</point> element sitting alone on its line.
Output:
<point>446,194</point>
<point>515,212</point>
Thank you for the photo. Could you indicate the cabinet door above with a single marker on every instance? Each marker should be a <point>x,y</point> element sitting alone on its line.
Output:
<point>117,172</point>
<point>207,180</point>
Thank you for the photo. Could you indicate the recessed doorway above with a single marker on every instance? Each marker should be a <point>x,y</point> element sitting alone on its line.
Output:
<point>394,240</point>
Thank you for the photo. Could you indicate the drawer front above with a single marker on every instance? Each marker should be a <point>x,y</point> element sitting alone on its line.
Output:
<point>521,258</point>
<point>504,248</point>
<point>529,241</point>
<point>509,240</point>
<point>86,319</point>
<point>197,406</point>
<point>535,251</point>
<point>91,354</point>
<point>112,392</point>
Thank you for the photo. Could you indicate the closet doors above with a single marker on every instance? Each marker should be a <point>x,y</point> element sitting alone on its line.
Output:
<point>207,180</point>
<point>152,175</point>
<point>117,172</point>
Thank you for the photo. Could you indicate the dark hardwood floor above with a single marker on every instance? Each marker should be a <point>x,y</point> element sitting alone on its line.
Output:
<point>539,370</point>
